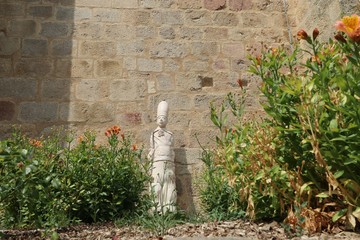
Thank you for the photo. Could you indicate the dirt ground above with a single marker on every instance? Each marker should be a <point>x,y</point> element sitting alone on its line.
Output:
<point>239,229</point>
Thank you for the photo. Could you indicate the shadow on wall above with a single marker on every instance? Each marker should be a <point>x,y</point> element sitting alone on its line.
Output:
<point>187,170</point>
<point>36,48</point>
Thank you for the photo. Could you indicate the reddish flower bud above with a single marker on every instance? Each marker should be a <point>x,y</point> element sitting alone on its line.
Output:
<point>315,33</point>
<point>302,35</point>
<point>240,83</point>
<point>340,38</point>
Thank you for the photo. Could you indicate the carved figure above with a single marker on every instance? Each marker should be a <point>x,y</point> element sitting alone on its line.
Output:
<point>163,165</point>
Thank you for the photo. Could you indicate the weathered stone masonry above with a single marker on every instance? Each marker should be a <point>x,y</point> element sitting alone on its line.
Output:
<point>90,64</point>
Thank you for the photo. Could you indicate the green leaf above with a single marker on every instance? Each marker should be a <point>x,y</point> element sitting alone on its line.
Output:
<point>322,195</point>
<point>339,214</point>
<point>339,173</point>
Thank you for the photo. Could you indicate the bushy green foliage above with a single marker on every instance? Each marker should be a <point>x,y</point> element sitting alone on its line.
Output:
<point>304,161</point>
<point>54,181</point>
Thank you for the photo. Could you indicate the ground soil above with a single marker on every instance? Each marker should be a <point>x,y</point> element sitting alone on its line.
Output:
<point>239,229</point>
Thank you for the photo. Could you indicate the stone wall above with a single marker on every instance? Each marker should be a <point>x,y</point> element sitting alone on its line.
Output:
<point>90,64</point>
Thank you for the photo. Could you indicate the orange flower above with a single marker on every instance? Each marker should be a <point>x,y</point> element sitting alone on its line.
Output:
<point>302,35</point>
<point>258,59</point>
<point>134,147</point>
<point>116,130</point>
<point>80,139</point>
<point>108,133</point>
<point>35,143</point>
<point>351,26</point>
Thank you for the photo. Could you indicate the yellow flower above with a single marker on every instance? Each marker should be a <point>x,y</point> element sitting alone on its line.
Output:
<point>351,26</point>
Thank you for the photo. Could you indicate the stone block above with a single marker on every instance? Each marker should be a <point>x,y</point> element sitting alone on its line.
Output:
<point>29,67</point>
<point>88,31</point>
<point>90,90</point>
<point>107,15</point>
<point>198,18</point>
<point>131,48</point>
<point>128,89</point>
<point>7,110</point>
<point>252,20</point>
<point>171,65</point>
<point>202,101</point>
<point>221,64</point>
<point>165,82</point>
<point>176,101</point>
<point>8,45</point>
<point>214,4</point>
<point>206,137</point>
<point>125,4</point>
<point>137,17</point>
<point>190,4</point>
<point>5,67</point>
<point>18,88</point>
<point>56,89</point>
<point>41,11</point>
<point>240,5</point>
<point>38,112</point>
<point>204,50</point>
<point>22,28</point>
<point>63,68</point>
<point>129,63</point>
<point>167,17</point>
<point>74,112</point>
<point>114,31</point>
<point>188,33</point>
<point>167,32</point>
<point>108,68</point>
<point>130,119</point>
<point>62,47</point>
<point>196,65</point>
<point>216,33</point>
<point>35,48</point>
<point>169,49</point>
<point>151,86</point>
<point>156,3</point>
<point>234,50</point>
<point>98,49</point>
<point>11,9</point>
<point>73,14</point>
<point>225,19</point>
<point>188,81</point>
<point>94,3</point>
<point>150,65</point>
<point>146,32</point>
<point>54,29</point>
<point>180,119</point>
<point>60,2</point>
<point>82,68</point>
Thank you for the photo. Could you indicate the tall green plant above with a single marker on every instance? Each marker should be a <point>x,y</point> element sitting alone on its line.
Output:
<point>313,98</point>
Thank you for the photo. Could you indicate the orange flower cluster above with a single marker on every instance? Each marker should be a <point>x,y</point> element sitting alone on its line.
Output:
<point>36,143</point>
<point>351,26</point>
<point>115,130</point>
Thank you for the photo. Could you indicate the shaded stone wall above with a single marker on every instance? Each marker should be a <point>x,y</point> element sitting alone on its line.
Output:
<point>91,64</point>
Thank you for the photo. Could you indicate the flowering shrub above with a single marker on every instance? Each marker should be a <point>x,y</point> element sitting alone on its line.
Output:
<point>304,163</point>
<point>53,181</point>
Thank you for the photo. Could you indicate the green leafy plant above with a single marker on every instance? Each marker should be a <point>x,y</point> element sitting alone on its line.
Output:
<point>52,182</point>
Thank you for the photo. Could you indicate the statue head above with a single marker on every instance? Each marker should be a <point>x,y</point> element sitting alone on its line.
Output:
<point>162,114</point>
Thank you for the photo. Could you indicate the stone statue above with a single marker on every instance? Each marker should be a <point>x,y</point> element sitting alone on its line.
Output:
<point>163,166</point>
